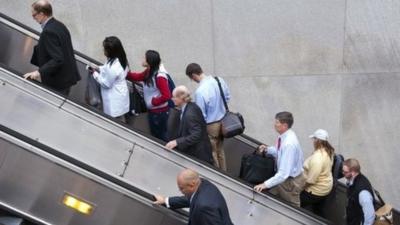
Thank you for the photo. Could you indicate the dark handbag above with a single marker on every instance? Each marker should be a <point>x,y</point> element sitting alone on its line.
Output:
<point>137,104</point>
<point>256,168</point>
<point>232,124</point>
<point>92,94</point>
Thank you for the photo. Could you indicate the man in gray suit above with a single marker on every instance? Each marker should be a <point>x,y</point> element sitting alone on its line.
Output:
<point>192,134</point>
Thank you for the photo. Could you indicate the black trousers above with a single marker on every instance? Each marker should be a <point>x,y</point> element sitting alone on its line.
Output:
<point>311,202</point>
<point>65,91</point>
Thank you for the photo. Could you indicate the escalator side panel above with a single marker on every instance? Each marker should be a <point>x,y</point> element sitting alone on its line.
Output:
<point>158,173</point>
<point>46,122</point>
<point>36,185</point>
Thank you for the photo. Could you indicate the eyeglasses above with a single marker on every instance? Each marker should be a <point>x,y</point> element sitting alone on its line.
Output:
<point>35,14</point>
<point>345,172</point>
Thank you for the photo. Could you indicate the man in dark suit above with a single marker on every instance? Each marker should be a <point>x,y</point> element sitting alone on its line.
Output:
<point>192,135</point>
<point>207,204</point>
<point>54,54</point>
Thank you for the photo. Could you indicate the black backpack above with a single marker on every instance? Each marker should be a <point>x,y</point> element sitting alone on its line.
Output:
<point>337,168</point>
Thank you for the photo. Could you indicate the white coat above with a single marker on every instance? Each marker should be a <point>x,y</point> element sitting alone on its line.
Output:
<point>114,90</point>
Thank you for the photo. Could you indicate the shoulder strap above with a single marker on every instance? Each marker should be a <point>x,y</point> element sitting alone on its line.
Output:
<point>222,94</point>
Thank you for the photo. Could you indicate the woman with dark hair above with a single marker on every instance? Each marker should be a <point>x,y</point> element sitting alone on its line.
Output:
<point>318,173</point>
<point>111,77</point>
<point>155,91</point>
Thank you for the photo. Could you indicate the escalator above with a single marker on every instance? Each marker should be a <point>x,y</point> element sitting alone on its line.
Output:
<point>40,185</point>
<point>97,140</point>
<point>110,147</point>
<point>137,159</point>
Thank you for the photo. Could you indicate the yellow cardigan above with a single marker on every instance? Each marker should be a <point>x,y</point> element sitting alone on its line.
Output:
<point>317,170</point>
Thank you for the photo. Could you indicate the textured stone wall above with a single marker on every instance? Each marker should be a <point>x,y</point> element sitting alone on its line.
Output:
<point>334,63</point>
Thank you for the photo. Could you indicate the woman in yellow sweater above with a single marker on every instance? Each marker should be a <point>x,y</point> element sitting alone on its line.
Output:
<point>318,173</point>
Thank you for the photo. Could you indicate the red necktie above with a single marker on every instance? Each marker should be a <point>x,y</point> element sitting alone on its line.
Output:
<point>278,146</point>
<point>279,143</point>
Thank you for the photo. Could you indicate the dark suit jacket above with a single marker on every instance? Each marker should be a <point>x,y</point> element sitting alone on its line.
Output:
<point>54,55</point>
<point>192,135</point>
<point>208,206</point>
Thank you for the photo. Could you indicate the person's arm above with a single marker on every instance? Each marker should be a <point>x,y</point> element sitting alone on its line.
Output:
<point>285,166</point>
<point>52,45</point>
<point>194,122</point>
<point>108,75</point>
<point>172,202</point>
<point>272,151</point>
<point>137,76</point>
<point>177,202</point>
<point>201,103</point>
<point>366,202</point>
<point>163,87</point>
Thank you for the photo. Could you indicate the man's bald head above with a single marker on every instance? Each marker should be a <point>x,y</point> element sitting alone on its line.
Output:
<point>188,181</point>
<point>43,6</point>
<point>182,92</point>
<point>188,175</point>
<point>181,96</point>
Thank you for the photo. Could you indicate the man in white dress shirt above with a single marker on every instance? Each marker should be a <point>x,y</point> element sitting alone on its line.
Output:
<point>288,181</point>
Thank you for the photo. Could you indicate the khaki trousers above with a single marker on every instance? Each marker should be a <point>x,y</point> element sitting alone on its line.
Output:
<point>290,189</point>
<point>217,141</point>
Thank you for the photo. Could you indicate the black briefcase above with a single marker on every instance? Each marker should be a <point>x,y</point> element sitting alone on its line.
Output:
<point>256,168</point>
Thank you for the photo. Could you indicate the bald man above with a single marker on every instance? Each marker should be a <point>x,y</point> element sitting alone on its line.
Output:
<point>207,204</point>
<point>192,133</point>
<point>54,54</point>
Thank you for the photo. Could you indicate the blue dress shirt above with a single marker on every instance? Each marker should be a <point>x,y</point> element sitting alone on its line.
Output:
<point>208,98</point>
<point>366,202</point>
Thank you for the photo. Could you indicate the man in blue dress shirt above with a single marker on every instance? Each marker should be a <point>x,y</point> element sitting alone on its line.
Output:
<point>208,98</point>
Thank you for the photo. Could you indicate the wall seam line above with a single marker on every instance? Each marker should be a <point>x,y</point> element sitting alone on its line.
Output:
<point>342,77</point>
<point>213,36</point>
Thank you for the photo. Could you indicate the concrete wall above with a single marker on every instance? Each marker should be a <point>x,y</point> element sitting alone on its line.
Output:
<point>334,63</point>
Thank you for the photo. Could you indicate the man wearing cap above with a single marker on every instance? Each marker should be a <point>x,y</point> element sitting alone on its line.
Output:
<point>288,182</point>
<point>318,173</point>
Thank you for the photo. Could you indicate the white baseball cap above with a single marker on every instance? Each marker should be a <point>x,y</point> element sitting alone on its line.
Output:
<point>320,134</point>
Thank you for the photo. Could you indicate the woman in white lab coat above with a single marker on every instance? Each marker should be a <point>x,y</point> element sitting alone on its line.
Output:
<point>111,77</point>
